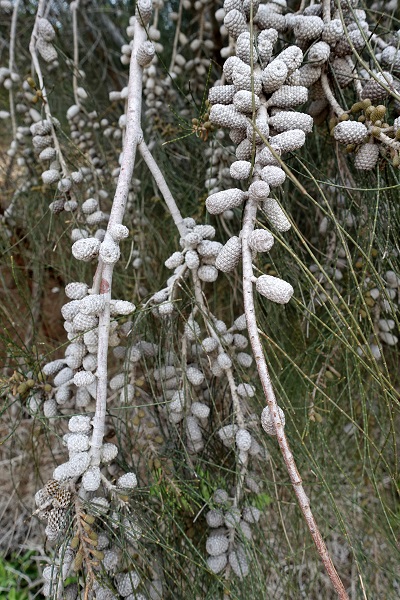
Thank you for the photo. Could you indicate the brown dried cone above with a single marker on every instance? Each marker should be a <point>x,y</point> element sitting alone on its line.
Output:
<point>230,255</point>
<point>52,487</point>
<point>62,499</point>
<point>57,519</point>
<point>367,157</point>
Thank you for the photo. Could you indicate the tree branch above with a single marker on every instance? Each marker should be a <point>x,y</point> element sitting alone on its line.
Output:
<point>302,498</point>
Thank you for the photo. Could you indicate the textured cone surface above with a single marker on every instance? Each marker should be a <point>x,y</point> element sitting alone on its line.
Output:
<point>235,23</point>
<point>46,50</point>
<point>221,94</point>
<point>332,32</point>
<point>207,273</point>
<point>144,11</point>
<point>216,564</point>
<point>343,72</point>
<point>267,422</point>
<point>217,544</point>
<point>245,101</point>
<point>62,499</point>
<point>285,121</point>
<point>274,76</point>
<point>308,27</point>
<point>275,215</point>
<point>145,53</point>
<point>367,157</point>
<point>292,57</point>
<point>288,141</point>
<point>319,53</point>
<point>267,18</point>
<point>238,562</point>
<point>272,175</point>
<point>309,74</point>
<point>76,290</point>
<point>275,289</point>
<point>227,116</point>
<point>374,90</point>
<point>240,169</point>
<point>127,481</point>
<point>227,199</point>
<point>259,190</point>
<point>91,479</point>
<point>126,583</point>
<point>288,96</point>
<point>244,50</point>
<point>86,249</point>
<point>229,257</point>
<point>350,132</point>
<point>243,440</point>
<point>261,240</point>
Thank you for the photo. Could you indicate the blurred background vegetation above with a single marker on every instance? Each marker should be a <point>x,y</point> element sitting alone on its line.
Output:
<point>341,403</point>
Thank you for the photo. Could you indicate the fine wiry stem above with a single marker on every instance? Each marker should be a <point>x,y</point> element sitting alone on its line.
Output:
<point>302,498</point>
<point>132,138</point>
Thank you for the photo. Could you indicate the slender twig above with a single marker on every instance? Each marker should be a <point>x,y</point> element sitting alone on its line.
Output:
<point>163,187</point>
<point>302,498</point>
<point>133,136</point>
<point>337,109</point>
